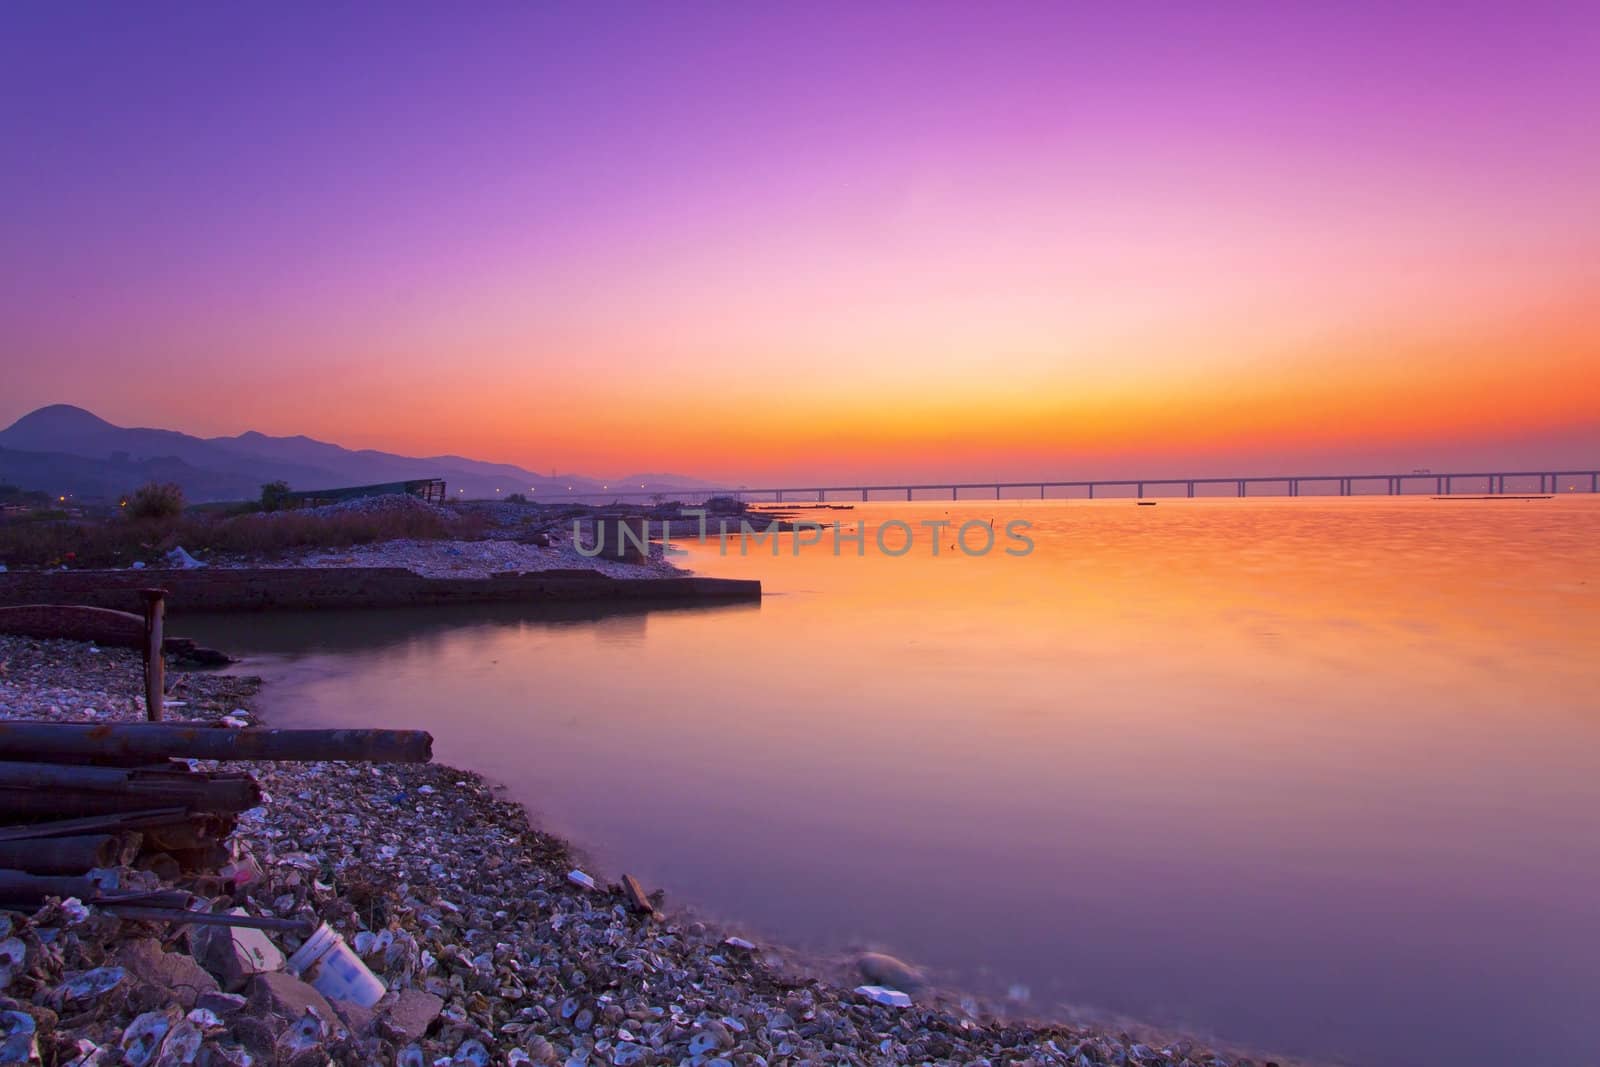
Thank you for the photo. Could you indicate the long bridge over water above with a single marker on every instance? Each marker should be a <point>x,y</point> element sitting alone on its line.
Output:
<point>1463,483</point>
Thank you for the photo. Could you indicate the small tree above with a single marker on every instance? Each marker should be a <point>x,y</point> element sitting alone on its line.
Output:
<point>517,498</point>
<point>274,496</point>
<point>156,500</point>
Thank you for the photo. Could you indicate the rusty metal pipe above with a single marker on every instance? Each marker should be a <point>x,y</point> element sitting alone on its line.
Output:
<point>25,740</point>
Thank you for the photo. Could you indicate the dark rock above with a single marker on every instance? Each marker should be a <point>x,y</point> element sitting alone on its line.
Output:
<point>409,1015</point>
<point>256,1035</point>
<point>223,1004</point>
<point>185,979</point>
<point>286,997</point>
<point>358,1020</point>
<point>233,956</point>
<point>886,970</point>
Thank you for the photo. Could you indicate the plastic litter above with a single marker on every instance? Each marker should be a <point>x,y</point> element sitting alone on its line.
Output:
<point>335,970</point>
<point>579,878</point>
<point>235,954</point>
<point>242,872</point>
<point>878,994</point>
<point>179,558</point>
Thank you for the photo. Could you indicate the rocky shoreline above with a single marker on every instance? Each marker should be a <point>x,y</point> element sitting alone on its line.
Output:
<point>490,953</point>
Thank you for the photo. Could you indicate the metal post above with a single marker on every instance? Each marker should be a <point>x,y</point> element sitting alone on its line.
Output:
<point>955,494</point>
<point>1241,487</point>
<point>863,496</point>
<point>997,492</point>
<point>155,667</point>
<point>1141,490</point>
<point>1191,489</point>
<point>780,496</point>
<point>1594,481</point>
<point>1091,490</point>
<point>1448,483</point>
<point>908,494</point>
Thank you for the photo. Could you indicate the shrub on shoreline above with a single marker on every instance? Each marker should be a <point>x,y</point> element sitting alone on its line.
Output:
<point>124,539</point>
<point>156,500</point>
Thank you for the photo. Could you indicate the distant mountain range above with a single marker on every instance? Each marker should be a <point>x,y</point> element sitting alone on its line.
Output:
<point>65,450</point>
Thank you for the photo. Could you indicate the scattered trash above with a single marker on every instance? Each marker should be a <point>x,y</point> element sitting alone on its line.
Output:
<point>179,558</point>
<point>878,994</point>
<point>739,942</point>
<point>335,970</point>
<point>137,565</point>
<point>242,872</point>
<point>637,898</point>
<point>579,878</point>
<point>234,954</point>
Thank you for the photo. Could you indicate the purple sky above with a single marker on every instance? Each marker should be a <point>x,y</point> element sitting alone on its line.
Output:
<point>519,230</point>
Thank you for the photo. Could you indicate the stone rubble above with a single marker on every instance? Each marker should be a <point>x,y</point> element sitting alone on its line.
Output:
<point>490,954</point>
<point>467,559</point>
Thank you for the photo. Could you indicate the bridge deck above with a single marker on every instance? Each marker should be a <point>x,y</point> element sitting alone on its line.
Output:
<point>1477,483</point>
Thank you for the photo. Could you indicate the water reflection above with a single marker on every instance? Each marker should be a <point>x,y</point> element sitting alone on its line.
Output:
<point>1316,777</point>
<point>303,633</point>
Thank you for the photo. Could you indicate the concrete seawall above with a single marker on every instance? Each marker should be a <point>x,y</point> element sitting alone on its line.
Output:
<point>311,588</point>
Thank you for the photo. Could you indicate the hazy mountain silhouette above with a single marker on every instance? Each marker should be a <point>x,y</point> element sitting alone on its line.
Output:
<point>65,449</point>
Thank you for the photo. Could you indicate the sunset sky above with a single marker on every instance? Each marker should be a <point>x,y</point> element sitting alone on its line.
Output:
<point>767,242</point>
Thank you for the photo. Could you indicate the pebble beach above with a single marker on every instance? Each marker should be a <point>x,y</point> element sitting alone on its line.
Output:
<point>491,953</point>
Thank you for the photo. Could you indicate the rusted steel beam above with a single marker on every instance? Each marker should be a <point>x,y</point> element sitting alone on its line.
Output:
<point>24,804</point>
<point>140,788</point>
<point>24,740</point>
<point>206,918</point>
<point>129,820</point>
<point>31,791</point>
<point>20,887</point>
<point>62,855</point>
<point>197,831</point>
<point>155,664</point>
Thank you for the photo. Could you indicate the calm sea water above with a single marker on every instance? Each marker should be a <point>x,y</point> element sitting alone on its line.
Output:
<point>1316,778</point>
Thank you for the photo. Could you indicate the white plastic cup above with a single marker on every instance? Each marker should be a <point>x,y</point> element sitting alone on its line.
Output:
<point>334,969</point>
